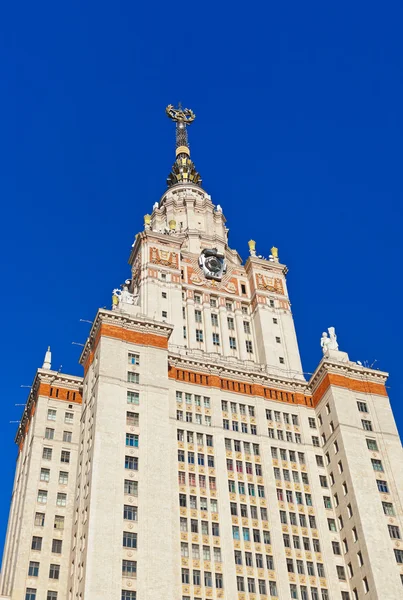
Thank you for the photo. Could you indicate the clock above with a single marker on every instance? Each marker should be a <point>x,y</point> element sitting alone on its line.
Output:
<point>212,263</point>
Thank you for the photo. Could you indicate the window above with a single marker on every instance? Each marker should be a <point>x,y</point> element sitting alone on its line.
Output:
<point>129,539</point>
<point>65,456</point>
<point>228,305</point>
<point>323,481</point>
<point>33,569</point>
<point>231,325</point>
<point>61,499</point>
<point>129,568</point>
<point>39,519</point>
<point>133,377</point>
<point>214,320</point>
<point>36,543</point>
<point>57,546</point>
<point>198,316</point>
<point>30,594</point>
<point>216,339</point>
<point>315,441</point>
<point>345,596</point>
<point>131,462</point>
<point>199,335</point>
<point>336,548</point>
<point>67,436</point>
<point>331,524</point>
<point>51,414</point>
<point>394,532</point>
<point>362,406</point>
<point>388,509</point>
<point>133,359</point>
<point>132,419</point>
<point>365,585</point>
<point>367,425</point>
<point>164,314</point>
<point>133,398</point>
<point>132,440</point>
<point>51,595</point>
<point>164,294</point>
<point>45,475</point>
<point>281,359</point>
<point>376,464</point>
<point>341,573</point>
<point>42,497</point>
<point>49,433</point>
<point>382,486</point>
<point>68,417</point>
<point>59,522</point>
<point>232,343</point>
<point>128,595</point>
<point>249,348</point>
<point>327,502</point>
<point>130,512</point>
<point>312,422</point>
<point>246,326</point>
<point>54,571</point>
<point>240,584</point>
<point>399,556</point>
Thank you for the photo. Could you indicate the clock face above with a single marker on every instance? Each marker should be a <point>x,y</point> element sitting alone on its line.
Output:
<point>213,264</point>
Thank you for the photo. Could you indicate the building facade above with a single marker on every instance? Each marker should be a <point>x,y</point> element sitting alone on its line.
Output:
<point>193,460</point>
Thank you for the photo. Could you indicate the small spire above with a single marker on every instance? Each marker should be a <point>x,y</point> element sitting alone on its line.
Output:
<point>47,360</point>
<point>183,170</point>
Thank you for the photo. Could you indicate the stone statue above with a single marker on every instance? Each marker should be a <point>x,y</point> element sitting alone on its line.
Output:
<point>329,342</point>
<point>122,296</point>
<point>333,339</point>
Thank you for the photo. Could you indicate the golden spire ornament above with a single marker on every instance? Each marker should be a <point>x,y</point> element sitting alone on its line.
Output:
<point>183,170</point>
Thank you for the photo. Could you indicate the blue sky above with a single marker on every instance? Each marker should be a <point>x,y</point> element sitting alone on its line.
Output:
<point>298,137</point>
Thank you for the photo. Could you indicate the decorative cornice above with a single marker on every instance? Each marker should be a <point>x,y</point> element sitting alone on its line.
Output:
<point>44,380</point>
<point>121,325</point>
<point>348,375</point>
<point>349,369</point>
<point>252,375</point>
<point>267,265</point>
<point>250,381</point>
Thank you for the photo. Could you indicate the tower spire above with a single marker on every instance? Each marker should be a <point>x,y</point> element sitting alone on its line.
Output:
<point>183,170</point>
<point>47,360</point>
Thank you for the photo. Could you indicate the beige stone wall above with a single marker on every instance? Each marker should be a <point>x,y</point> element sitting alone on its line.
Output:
<point>374,542</point>
<point>18,552</point>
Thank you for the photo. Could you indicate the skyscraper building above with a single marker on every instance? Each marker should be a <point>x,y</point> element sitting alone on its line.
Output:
<point>193,460</point>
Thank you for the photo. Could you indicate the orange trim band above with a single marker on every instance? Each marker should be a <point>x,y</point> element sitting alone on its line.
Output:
<point>239,387</point>
<point>135,337</point>
<point>127,335</point>
<point>355,385</point>
<point>56,392</point>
